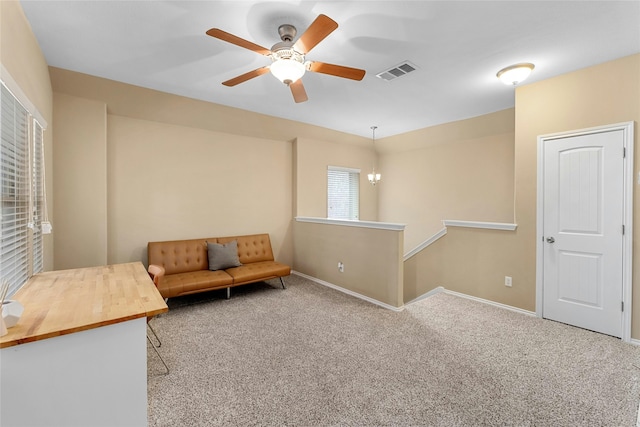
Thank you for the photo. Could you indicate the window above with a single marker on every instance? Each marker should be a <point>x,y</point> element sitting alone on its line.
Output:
<point>343,197</point>
<point>21,192</point>
<point>37,196</point>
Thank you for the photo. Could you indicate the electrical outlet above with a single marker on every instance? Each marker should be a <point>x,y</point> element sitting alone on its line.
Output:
<point>507,281</point>
<point>341,267</point>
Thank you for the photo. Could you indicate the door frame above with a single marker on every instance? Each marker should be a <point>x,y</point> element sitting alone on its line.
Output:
<point>627,238</point>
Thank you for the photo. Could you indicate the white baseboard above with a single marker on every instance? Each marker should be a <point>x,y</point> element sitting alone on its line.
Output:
<point>440,289</point>
<point>431,293</point>
<point>493,303</point>
<point>348,292</point>
<point>632,341</point>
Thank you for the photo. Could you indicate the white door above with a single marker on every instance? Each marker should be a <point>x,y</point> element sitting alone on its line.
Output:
<point>583,216</point>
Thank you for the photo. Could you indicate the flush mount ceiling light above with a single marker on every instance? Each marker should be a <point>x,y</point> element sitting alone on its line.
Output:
<point>374,177</point>
<point>515,74</point>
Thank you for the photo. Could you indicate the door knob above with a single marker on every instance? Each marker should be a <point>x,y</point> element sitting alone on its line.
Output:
<point>550,240</point>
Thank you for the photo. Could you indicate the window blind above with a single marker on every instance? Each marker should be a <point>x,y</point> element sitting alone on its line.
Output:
<point>14,191</point>
<point>37,197</point>
<point>343,197</point>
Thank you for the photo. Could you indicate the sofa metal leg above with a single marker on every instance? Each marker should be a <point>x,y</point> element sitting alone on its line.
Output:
<point>228,293</point>
<point>282,281</point>
<point>161,359</point>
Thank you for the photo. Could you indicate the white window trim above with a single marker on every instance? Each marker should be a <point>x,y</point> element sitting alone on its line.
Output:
<point>357,189</point>
<point>343,169</point>
<point>13,87</point>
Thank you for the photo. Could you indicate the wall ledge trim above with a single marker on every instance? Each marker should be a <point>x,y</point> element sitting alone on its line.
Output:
<point>352,223</point>
<point>424,244</point>
<point>349,292</point>
<point>477,224</point>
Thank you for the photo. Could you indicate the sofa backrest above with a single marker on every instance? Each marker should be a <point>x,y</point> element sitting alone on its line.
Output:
<point>251,248</point>
<point>181,256</point>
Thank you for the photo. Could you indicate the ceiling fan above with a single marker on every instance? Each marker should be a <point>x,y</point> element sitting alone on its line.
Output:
<point>288,58</point>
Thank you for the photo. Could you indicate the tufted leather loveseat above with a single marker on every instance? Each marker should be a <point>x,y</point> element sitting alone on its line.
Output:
<point>186,264</point>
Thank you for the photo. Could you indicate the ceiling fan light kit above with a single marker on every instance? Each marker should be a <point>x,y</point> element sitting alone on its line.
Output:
<point>288,58</point>
<point>288,65</point>
<point>515,74</point>
<point>287,70</point>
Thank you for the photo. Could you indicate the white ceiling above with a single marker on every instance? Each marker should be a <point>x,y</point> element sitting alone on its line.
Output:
<point>457,45</point>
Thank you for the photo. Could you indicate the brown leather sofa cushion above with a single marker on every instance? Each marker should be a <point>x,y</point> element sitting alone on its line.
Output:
<point>258,271</point>
<point>193,281</point>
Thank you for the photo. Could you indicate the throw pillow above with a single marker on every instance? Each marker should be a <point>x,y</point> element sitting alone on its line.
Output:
<point>223,256</point>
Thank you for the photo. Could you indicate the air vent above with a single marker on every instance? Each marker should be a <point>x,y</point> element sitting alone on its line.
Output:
<point>399,70</point>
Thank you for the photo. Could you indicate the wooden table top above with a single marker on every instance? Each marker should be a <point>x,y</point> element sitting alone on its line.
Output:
<point>67,301</point>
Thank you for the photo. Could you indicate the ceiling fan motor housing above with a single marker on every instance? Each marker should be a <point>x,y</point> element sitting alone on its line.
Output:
<point>284,49</point>
<point>287,32</point>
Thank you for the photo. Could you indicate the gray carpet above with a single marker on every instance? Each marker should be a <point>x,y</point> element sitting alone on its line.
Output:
<point>313,356</point>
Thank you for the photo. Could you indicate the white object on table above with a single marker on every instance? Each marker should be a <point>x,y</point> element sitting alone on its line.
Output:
<point>11,312</point>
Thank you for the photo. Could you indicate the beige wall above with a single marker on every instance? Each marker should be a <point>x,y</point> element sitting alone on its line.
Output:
<point>126,181</point>
<point>180,168</point>
<point>170,182</point>
<point>475,261</point>
<point>172,177</point>
<point>81,182</point>
<point>136,102</point>
<point>372,258</point>
<point>21,56</point>
<point>432,176</point>
<point>465,260</point>
<point>604,94</point>
<point>312,160</point>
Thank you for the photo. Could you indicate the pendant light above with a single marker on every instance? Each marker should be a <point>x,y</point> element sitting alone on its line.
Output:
<point>374,177</point>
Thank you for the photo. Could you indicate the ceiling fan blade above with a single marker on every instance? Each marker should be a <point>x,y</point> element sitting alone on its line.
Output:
<point>246,76</point>
<point>337,70</point>
<point>317,31</point>
<point>298,92</point>
<point>230,38</point>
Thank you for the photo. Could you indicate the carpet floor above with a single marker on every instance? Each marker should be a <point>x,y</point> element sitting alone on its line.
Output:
<point>313,356</point>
